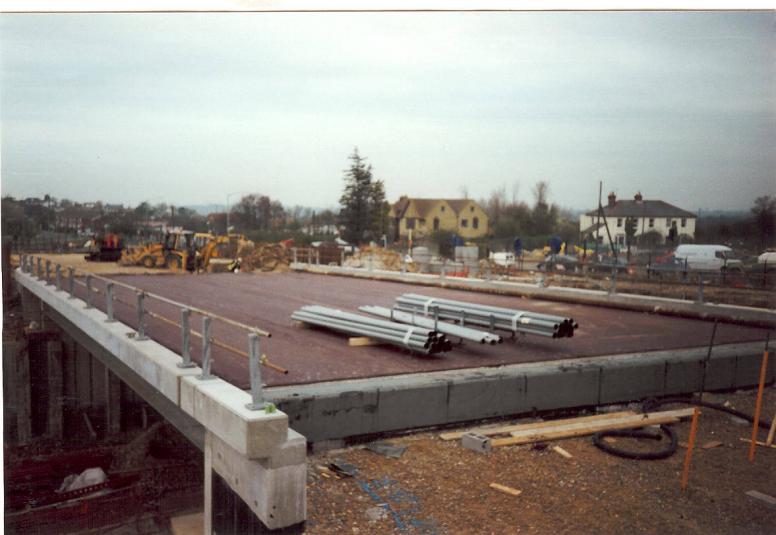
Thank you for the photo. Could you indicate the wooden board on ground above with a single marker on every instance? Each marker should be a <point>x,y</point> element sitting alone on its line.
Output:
<point>360,341</point>
<point>758,442</point>
<point>576,429</point>
<point>505,489</point>
<point>504,429</point>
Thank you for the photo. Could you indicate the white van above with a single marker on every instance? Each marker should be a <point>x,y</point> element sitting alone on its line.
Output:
<point>503,259</point>
<point>707,257</point>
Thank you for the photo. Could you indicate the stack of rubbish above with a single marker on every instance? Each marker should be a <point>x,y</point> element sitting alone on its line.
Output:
<point>379,258</point>
<point>493,318</point>
<point>263,256</point>
<point>414,338</point>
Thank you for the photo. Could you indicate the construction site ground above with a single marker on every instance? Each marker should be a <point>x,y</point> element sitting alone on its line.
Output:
<point>441,487</point>
<point>312,355</point>
<point>81,265</point>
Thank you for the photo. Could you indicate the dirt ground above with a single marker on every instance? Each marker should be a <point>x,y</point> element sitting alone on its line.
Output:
<point>440,487</point>
<point>78,262</point>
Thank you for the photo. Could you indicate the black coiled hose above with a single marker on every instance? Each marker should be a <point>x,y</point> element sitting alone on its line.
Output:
<point>650,405</point>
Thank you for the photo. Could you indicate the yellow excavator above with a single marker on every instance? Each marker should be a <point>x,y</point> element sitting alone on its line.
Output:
<point>177,250</point>
<point>183,250</point>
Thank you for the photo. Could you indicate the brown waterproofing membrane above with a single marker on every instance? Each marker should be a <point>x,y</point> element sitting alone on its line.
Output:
<point>313,355</point>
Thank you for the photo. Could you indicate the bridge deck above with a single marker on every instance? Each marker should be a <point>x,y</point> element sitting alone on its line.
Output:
<point>312,355</point>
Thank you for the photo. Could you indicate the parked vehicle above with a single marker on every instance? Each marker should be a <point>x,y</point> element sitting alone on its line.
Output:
<point>607,263</point>
<point>667,266</point>
<point>768,258</point>
<point>503,259</point>
<point>708,257</point>
<point>559,262</point>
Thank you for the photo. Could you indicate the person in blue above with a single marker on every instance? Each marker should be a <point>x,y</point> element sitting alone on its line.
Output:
<point>518,246</point>
<point>555,244</point>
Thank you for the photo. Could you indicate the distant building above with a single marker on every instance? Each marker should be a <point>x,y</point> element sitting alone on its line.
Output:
<point>650,216</point>
<point>424,216</point>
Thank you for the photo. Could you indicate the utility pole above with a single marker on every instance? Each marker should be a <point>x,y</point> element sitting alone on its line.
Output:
<point>598,218</point>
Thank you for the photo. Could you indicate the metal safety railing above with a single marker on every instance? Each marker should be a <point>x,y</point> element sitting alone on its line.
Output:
<point>41,268</point>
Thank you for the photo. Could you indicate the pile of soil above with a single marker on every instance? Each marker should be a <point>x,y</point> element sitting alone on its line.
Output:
<point>265,257</point>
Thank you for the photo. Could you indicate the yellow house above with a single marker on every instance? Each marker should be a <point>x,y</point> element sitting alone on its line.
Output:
<point>423,216</point>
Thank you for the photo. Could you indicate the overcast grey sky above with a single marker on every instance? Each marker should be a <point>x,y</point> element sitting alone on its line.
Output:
<point>186,108</point>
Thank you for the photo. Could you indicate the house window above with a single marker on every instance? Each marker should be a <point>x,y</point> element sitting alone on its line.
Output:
<point>422,222</point>
<point>621,239</point>
<point>619,221</point>
<point>651,222</point>
<point>464,223</point>
<point>668,222</point>
<point>436,223</point>
<point>442,208</point>
<point>684,222</point>
<point>410,223</point>
<point>476,222</point>
<point>471,208</point>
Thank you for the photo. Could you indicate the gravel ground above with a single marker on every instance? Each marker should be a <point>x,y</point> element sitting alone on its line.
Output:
<point>441,487</point>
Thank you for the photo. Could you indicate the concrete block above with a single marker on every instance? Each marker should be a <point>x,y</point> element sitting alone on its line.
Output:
<point>630,380</point>
<point>292,451</point>
<point>485,396</point>
<point>276,495</point>
<point>748,369</point>
<point>416,406</point>
<point>721,372</point>
<point>476,442</point>
<point>325,416</point>
<point>220,408</point>
<point>685,375</point>
<point>553,386</point>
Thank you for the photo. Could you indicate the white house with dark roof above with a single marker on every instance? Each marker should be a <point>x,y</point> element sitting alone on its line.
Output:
<point>650,216</point>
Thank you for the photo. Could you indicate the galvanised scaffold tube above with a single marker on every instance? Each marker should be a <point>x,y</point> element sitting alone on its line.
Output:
<point>415,338</point>
<point>466,333</point>
<point>493,317</point>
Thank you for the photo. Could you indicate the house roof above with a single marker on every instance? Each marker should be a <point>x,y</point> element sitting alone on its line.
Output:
<point>634,208</point>
<point>423,206</point>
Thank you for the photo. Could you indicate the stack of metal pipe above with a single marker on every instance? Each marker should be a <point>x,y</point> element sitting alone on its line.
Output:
<point>411,318</point>
<point>507,319</point>
<point>415,338</point>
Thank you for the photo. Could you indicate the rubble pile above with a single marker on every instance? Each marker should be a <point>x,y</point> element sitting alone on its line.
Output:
<point>263,256</point>
<point>380,259</point>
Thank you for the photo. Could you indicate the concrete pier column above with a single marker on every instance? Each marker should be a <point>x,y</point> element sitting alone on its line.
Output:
<point>55,389</point>
<point>23,397</point>
<point>113,405</point>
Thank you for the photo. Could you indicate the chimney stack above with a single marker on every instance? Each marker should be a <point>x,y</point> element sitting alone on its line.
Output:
<point>612,199</point>
<point>638,197</point>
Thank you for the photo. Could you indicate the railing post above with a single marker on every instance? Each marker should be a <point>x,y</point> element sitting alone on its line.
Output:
<point>206,360</point>
<point>342,257</point>
<point>22,261</point>
<point>71,282</point>
<point>293,251</point>
<point>613,285</point>
<point>700,288</point>
<point>186,335</point>
<point>317,257</point>
<point>40,268</point>
<point>109,302</point>
<point>141,335</point>
<point>88,290</point>
<point>257,398</point>
<point>48,271</point>
<point>309,256</point>
<point>371,261</point>
<point>59,277</point>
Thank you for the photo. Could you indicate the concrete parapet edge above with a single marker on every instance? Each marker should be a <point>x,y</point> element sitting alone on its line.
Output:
<point>642,303</point>
<point>216,404</point>
<point>351,408</point>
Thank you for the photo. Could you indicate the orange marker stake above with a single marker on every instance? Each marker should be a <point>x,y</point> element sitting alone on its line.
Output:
<point>690,446</point>
<point>758,406</point>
